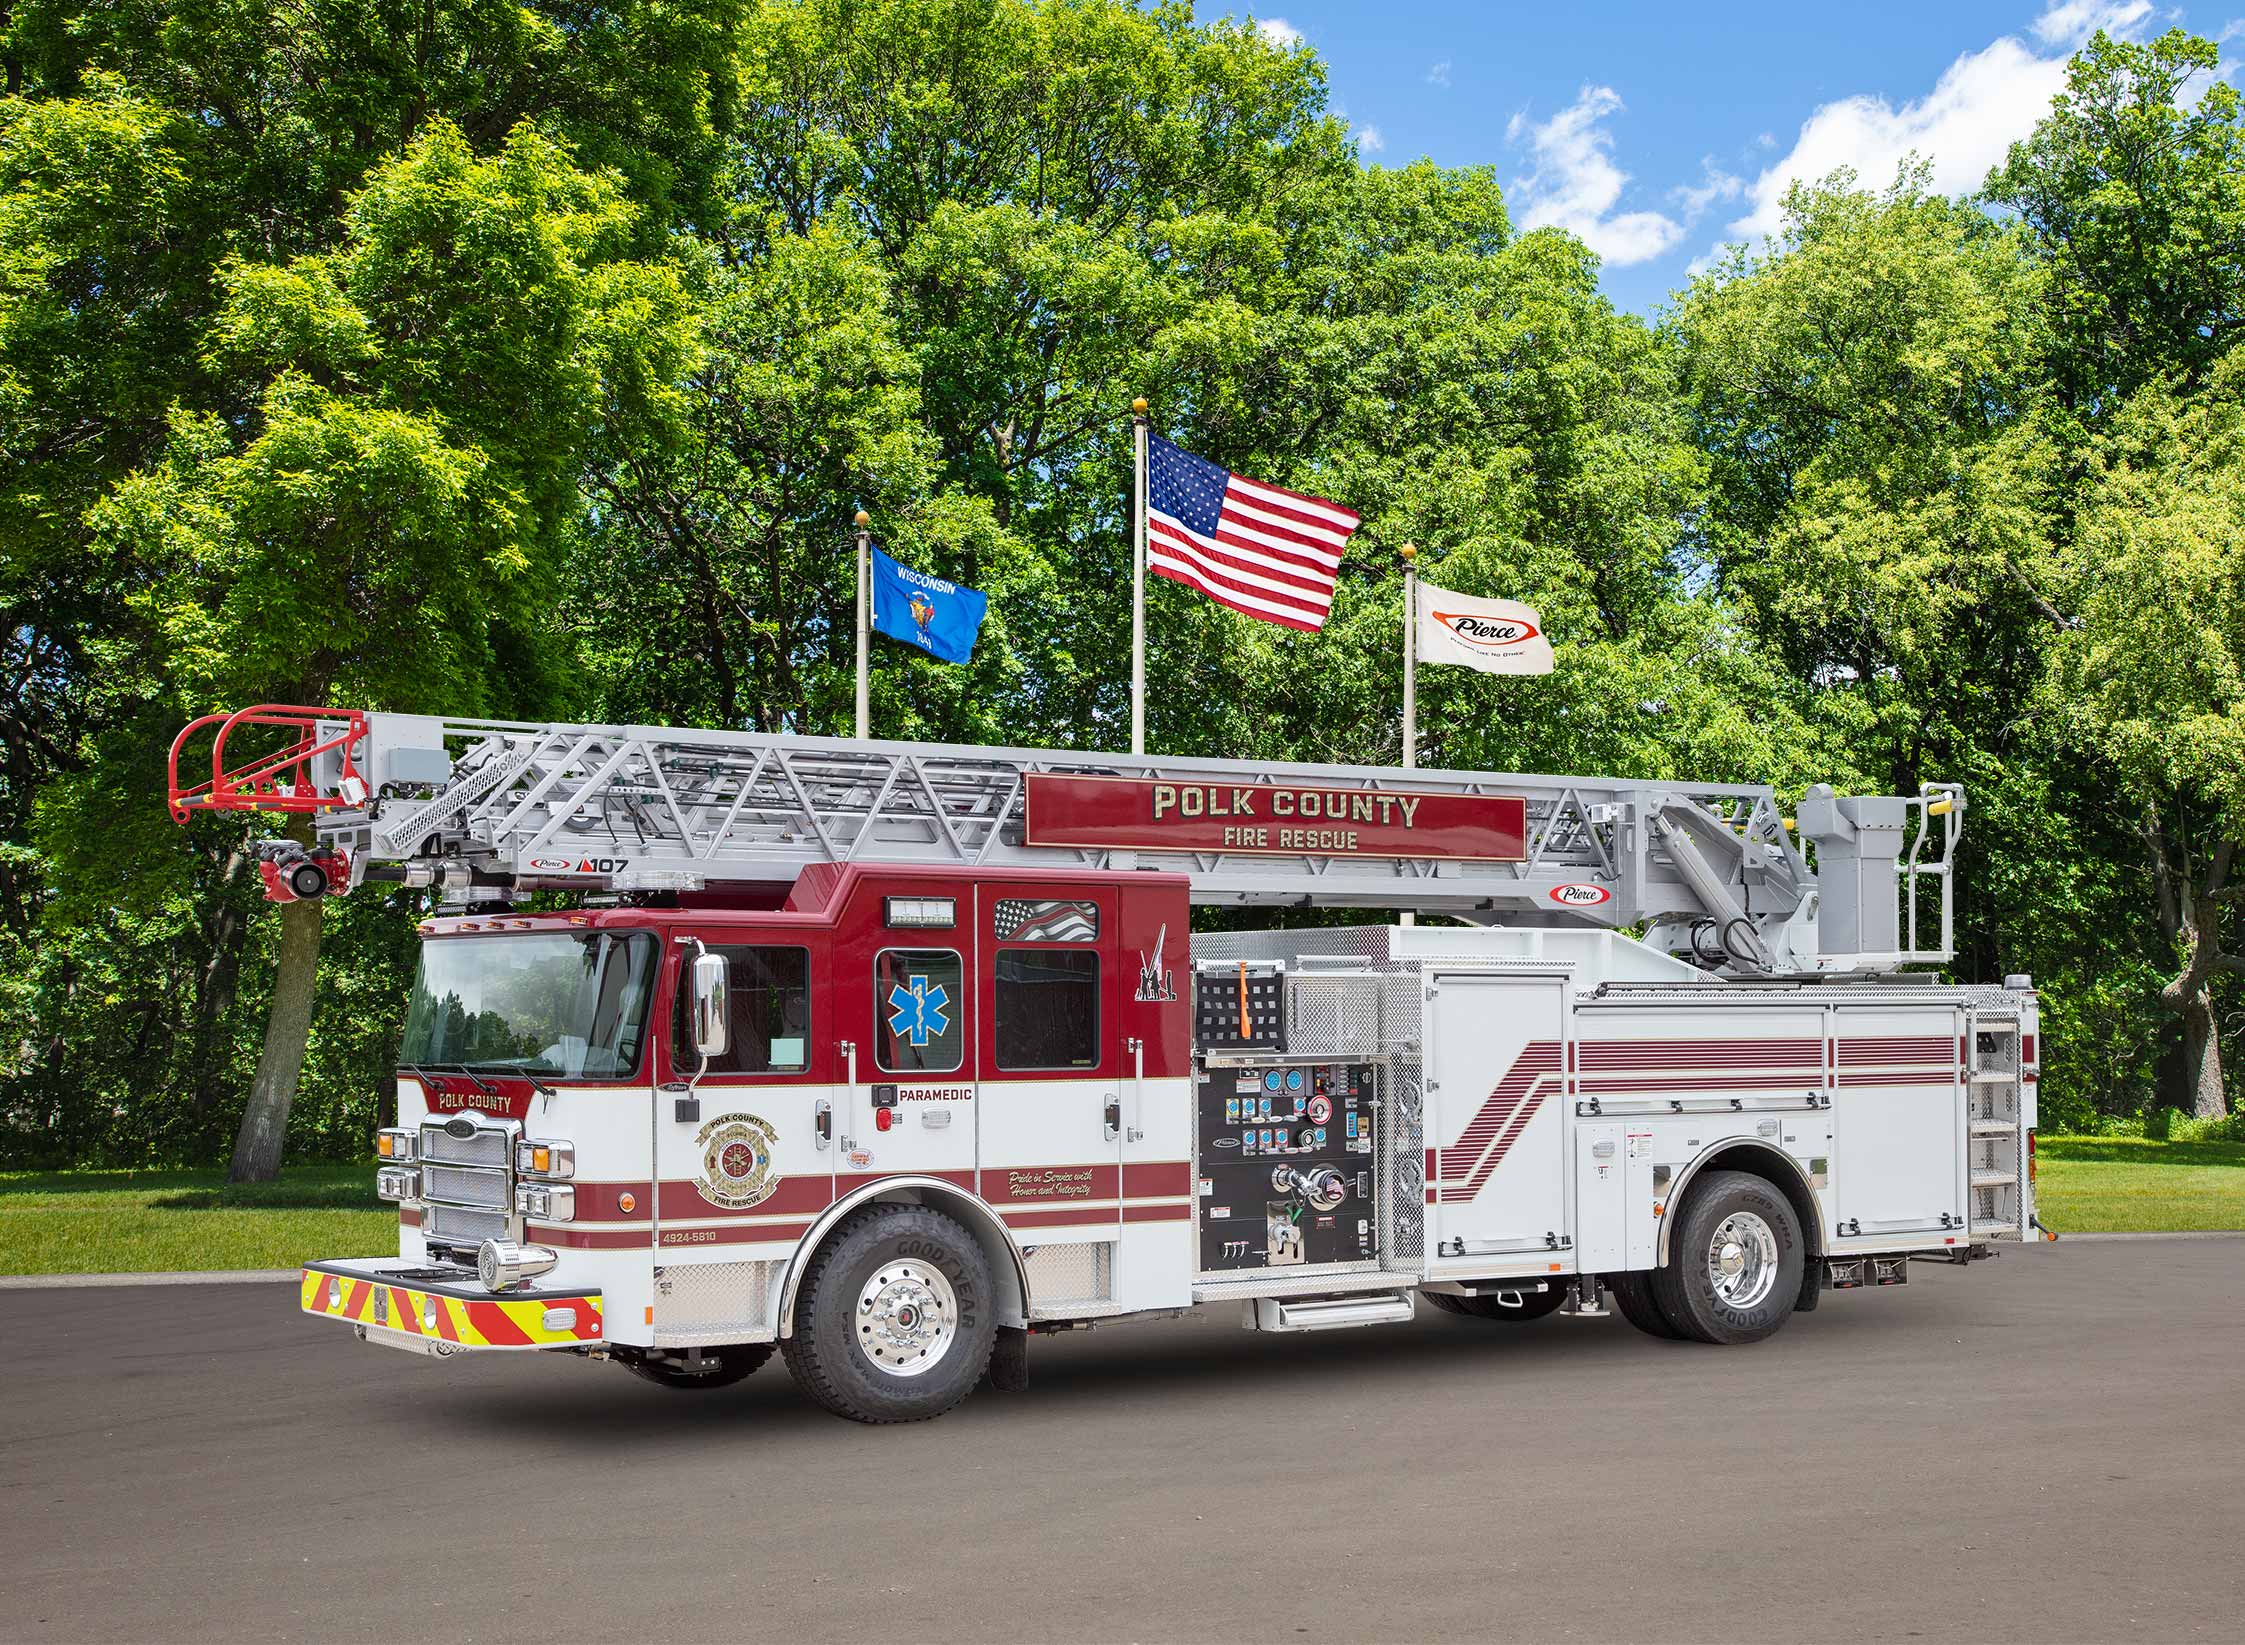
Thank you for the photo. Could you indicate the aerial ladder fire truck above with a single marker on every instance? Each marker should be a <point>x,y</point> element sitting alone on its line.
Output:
<point>889,1056</point>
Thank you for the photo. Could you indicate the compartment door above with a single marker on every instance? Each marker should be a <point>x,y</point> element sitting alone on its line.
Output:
<point>1898,1122</point>
<point>1496,1121</point>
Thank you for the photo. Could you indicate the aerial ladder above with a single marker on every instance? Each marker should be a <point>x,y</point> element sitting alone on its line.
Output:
<point>482,810</point>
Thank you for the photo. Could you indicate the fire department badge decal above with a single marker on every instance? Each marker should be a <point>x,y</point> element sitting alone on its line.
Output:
<point>736,1161</point>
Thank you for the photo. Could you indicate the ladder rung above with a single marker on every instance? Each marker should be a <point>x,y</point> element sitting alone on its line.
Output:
<point>1994,1076</point>
<point>1994,1128</point>
<point>1994,1179</point>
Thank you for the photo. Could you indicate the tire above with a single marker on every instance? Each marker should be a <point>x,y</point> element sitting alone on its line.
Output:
<point>1700,1293</point>
<point>1533,1304</point>
<point>726,1366</point>
<point>895,1321</point>
<point>1446,1302</point>
<point>1633,1295</point>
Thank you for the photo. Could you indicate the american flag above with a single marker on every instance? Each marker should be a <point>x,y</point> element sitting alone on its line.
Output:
<point>1257,548</point>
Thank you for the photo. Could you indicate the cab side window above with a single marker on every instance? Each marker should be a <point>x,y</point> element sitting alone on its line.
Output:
<point>919,1011</point>
<point>770,992</point>
<point>1046,1008</point>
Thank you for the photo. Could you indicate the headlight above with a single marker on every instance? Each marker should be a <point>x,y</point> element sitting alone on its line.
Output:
<point>500,1263</point>
<point>393,1145</point>
<point>397,1183</point>
<point>547,1204</point>
<point>545,1159</point>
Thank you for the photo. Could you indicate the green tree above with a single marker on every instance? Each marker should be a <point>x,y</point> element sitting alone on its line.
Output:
<point>2150,680</point>
<point>2134,189</point>
<point>389,526</point>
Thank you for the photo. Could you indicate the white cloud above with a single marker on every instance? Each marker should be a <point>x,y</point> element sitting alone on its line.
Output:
<point>1279,32</point>
<point>1439,75</point>
<point>1370,140</point>
<point>1984,102</point>
<point>1575,185</point>
<point>2069,22</point>
<point>1714,184</point>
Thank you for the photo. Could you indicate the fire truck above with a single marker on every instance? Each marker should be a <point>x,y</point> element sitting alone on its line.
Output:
<point>888,1057</point>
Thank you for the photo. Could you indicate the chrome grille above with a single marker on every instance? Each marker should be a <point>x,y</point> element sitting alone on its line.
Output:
<point>489,1145</point>
<point>458,1225</point>
<point>465,1185</point>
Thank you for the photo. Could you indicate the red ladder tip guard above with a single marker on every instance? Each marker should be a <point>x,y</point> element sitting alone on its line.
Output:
<point>279,782</point>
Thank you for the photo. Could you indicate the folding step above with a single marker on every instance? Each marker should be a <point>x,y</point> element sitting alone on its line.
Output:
<point>1331,1313</point>
<point>1994,1128</point>
<point>1995,1076</point>
<point>1994,1179</point>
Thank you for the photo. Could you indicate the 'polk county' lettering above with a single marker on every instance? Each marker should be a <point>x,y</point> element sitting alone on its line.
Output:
<point>1333,805</point>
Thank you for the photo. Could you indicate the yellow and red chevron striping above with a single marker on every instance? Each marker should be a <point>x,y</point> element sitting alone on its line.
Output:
<point>500,1322</point>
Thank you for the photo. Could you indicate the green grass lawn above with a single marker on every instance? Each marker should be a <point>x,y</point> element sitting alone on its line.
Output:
<point>2105,1185</point>
<point>125,1222</point>
<point>120,1222</point>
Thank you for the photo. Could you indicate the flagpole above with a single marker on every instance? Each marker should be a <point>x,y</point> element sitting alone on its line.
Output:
<point>1409,555</point>
<point>1138,582</point>
<point>1410,657</point>
<point>864,625</point>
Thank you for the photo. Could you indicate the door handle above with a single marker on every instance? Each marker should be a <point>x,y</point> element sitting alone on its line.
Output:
<point>1114,1115</point>
<point>822,1127</point>
<point>1137,1049</point>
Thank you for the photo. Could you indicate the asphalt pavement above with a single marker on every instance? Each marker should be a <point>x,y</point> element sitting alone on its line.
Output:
<point>2047,1447</point>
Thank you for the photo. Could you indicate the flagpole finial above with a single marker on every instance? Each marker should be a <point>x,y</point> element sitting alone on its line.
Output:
<point>863,519</point>
<point>1407,553</point>
<point>1138,407</point>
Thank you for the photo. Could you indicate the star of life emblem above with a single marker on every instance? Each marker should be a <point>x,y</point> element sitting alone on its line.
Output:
<point>736,1152</point>
<point>916,1011</point>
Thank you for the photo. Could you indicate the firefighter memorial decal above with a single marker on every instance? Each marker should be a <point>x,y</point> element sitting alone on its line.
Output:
<point>736,1161</point>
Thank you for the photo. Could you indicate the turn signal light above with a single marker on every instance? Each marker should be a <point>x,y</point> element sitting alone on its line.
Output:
<point>394,1145</point>
<point>545,1159</point>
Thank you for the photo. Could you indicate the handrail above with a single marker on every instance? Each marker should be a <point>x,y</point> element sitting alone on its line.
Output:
<point>281,782</point>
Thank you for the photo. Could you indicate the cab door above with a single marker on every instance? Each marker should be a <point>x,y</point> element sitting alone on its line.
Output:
<point>744,1151</point>
<point>1052,1061</point>
<point>910,1109</point>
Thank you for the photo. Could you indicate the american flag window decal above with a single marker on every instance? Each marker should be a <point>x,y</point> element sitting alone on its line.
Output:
<point>1046,919</point>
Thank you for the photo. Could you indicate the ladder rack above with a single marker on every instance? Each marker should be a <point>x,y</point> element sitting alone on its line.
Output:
<point>482,806</point>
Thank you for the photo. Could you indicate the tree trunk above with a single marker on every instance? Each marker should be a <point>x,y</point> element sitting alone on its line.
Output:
<point>288,1026</point>
<point>2202,1056</point>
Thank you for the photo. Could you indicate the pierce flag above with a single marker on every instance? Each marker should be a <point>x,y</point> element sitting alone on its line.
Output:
<point>1494,636</point>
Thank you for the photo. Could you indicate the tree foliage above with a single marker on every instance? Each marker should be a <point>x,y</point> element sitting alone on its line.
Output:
<point>531,360</point>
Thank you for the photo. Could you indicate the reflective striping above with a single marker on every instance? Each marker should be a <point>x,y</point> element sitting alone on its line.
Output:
<point>500,1322</point>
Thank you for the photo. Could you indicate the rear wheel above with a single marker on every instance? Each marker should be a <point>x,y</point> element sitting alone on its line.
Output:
<point>705,1367</point>
<point>1633,1295</point>
<point>1735,1261</point>
<point>894,1323</point>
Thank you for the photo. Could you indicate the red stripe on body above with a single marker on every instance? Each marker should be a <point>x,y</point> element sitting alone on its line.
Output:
<point>686,1239</point>
<point>1060,1217</point>
<point>1143,1181</point>
<point>401,1308</point>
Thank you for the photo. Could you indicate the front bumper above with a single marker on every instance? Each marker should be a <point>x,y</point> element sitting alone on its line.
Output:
<point>446,1310</point>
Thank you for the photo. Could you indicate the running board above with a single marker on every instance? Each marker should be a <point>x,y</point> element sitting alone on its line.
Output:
<point>1329,1313</point>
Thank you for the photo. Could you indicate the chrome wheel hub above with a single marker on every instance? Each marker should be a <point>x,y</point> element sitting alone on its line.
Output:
<point>1742,1260</point>
<point>907,1315</point>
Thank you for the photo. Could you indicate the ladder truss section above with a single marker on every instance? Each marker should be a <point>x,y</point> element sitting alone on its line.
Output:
<point>646,808</point>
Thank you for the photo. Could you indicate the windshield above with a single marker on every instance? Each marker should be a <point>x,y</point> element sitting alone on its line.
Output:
<point>553,1004</point>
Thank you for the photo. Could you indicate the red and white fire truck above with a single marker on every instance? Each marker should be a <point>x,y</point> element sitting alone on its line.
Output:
<point>891,1056</point>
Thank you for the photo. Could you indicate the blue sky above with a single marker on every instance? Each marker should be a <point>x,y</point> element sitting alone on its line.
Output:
<point>1658,132</point>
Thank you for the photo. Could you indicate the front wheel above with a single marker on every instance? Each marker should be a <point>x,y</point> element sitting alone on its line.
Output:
<point>1735,1261</point>
<point>895,1321</point>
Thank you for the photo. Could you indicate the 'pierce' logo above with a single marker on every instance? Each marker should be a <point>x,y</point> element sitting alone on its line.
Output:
<point>1579,896</point>
<point>1488,633</point>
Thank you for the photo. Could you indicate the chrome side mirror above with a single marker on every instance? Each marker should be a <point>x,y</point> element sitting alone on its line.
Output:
<point>713,1017</point>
